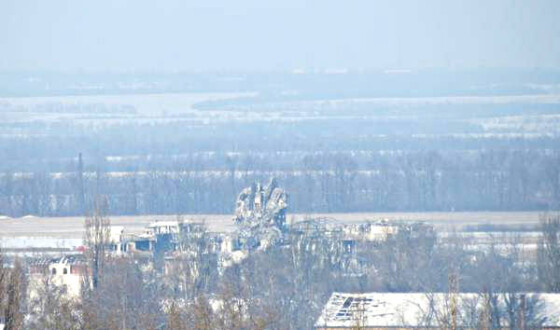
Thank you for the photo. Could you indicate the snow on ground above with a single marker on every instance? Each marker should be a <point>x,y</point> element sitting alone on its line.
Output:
<point>149,104</point>
<point>35,231</point>
<point>22,242</point>
<point>347,310</point>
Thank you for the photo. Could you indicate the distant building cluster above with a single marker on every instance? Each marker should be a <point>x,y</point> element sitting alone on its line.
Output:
<point>261,222</point>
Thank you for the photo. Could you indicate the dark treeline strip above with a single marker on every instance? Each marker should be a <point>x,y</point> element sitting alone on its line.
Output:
<point>318,182</point>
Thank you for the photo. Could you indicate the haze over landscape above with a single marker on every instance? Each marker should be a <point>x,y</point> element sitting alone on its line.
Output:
<point>215,35</point>
<point>160,160</point>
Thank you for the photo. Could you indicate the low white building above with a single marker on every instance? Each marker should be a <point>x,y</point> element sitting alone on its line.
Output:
<point>67,272</point>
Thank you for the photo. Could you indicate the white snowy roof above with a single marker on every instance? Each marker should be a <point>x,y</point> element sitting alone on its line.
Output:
<point>156,224</point>
<point>115,233</point>
<point>346,310</point>
<point>173,223</point>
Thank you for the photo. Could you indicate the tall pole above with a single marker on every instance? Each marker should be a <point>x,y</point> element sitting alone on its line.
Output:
<point>81,188</point>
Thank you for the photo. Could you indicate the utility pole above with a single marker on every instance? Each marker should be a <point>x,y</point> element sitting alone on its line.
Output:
<point>81,188</point>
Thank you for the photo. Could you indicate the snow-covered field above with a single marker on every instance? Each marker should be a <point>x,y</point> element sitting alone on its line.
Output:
<point>67,232</point>
<point>46,242</point>
<point>145,104</point>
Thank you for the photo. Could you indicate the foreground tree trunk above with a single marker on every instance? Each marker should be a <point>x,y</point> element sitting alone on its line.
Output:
<point>548,257</point>
<point>96,239</point>
<point>13,315</point>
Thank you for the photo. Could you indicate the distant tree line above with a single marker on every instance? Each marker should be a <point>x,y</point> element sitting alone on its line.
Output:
<point>318,182</point>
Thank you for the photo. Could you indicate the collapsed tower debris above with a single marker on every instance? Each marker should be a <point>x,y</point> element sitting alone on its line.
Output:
<point>260,215</point>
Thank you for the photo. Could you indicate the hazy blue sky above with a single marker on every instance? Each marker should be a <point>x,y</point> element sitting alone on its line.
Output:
<point>277,34</point>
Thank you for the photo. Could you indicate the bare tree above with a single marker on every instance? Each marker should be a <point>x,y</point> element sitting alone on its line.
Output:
<point>96,239</point>
<point>548,254</point>
<point>52,309</point>
<point>195,268</point>
<point>3,285</point>
<point>125,298</point>
<point>12,311</point>
<point>202,314</point>
<point>176,318</point>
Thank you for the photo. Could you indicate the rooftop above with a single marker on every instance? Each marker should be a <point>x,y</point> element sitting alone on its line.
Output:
<point>378,310</point>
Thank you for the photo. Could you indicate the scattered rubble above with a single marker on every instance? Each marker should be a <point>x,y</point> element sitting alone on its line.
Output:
<point>260,215</point>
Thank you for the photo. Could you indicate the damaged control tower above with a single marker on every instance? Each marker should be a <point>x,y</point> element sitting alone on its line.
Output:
<point>260,215</point>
